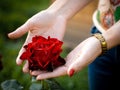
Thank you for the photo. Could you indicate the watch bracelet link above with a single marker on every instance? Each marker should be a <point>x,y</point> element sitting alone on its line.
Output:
<point>102,41</point>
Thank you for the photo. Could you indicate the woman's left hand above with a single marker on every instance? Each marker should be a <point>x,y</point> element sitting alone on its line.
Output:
<point>76,60</point>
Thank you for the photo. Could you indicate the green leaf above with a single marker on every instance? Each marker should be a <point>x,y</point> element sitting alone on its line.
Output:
<point>36,86</point>
<point>11,85</point>
<point>48,84</point>
<point>54,85</point>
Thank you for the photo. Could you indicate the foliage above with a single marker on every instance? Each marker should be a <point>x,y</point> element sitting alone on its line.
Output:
<point>11,85</point>
<point>49,84</point>
<point>14,13</point>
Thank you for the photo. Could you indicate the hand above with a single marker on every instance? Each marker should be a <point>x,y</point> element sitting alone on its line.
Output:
<point>76,60</point>
<point>45,24</point>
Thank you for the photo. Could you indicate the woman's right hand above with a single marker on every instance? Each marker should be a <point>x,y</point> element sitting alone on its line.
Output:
<point>44,23</point>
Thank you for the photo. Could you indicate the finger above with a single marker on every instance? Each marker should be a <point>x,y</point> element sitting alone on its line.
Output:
<point>83,57</point>
<point>57,72</point>
<point>28,40</point>
<point>18,60</point>
<point>80,61</point>
<point>35,73</point>
<point>20,31</point>
<point>26,67</point>
<point>74,67</point>
<point>79,64</point>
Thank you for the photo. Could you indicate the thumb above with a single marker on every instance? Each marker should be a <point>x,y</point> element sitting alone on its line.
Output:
<point>19,31</point>
<point>76,66</point>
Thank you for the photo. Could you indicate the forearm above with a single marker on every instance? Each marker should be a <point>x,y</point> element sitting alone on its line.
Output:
<point>68,8</point>
<point>112,35</point>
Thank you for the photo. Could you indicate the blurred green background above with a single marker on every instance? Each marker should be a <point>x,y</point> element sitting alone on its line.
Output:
<point>13,14</point>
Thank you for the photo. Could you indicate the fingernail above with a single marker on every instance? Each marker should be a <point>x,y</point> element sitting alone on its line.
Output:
<point>71,73</point>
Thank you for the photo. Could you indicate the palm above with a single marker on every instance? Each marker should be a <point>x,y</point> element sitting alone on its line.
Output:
<point>46,24</point>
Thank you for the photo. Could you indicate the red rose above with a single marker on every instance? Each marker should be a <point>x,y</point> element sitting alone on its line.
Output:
<point>43,54</point>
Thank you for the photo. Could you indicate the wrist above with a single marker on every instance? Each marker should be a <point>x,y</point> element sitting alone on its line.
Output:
<point>67,8</point>
<point>95,45</point>
<point>102,41</point>
<point>112,35</point>
<point>55,15</point>
<point>56,7</point>
<point>112,38</point>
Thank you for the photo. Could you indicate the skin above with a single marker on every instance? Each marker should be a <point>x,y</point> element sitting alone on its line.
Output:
<point>46,23</point>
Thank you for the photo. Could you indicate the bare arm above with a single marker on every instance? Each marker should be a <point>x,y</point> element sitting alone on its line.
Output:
<point>68,8</point>
<point>112,35</point>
